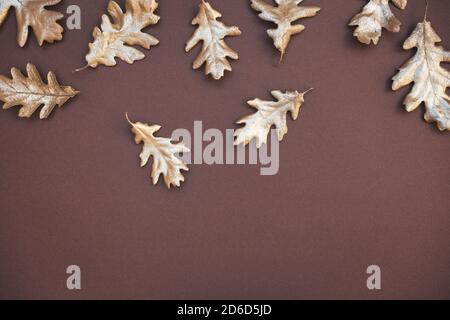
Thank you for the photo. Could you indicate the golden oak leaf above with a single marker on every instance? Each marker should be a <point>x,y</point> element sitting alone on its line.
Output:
<point>115,39</point>
<point>284,14</point>
<point>31,92</point>
<point>257,126</point>
<point>32,13</point>
<point>430,79</point>
<point>376,15</point>
<point>163,151</point>
<point>212,32</point>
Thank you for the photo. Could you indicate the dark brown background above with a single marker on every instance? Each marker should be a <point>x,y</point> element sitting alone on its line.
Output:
<point>361,181</point>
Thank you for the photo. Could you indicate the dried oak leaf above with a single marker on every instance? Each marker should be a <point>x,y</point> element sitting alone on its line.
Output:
<point>212,32</point>
<point>31,92</point>
<point>284,14</point>
<point>376,15</point>
<point>115,39</point>
<point>32,13</point>
<point>257,125</point>
<point>163,151</point>
<point>430,79</point>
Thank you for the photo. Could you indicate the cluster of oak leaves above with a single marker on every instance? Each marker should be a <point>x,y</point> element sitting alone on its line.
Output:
<point>115,39</point>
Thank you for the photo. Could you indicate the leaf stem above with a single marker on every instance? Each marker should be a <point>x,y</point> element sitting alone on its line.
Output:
<point>310,89</point>
<point>128,119</point>
<point>81,69</point>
